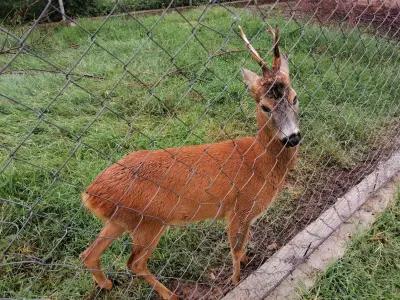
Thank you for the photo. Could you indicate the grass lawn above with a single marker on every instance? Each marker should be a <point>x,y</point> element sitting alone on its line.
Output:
<point>157,85</point>
<point>370,268</point>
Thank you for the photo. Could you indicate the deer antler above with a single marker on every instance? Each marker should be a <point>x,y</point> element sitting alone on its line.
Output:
<point>254,52</point>
<point>276,62</point>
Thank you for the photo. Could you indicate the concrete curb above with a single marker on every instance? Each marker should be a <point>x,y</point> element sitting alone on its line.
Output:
<point>268,281</point>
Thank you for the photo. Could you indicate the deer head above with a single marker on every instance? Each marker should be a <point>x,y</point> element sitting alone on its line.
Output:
<point>277,103</point>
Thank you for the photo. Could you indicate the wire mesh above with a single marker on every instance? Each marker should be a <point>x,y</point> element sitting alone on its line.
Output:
<point>78,96</point>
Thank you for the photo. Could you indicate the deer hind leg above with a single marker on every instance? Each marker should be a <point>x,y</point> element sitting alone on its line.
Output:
<point>145,239</point>
<point>91,256</point>
<point>238,234</point>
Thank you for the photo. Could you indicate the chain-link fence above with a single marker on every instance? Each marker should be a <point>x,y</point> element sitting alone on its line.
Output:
<point>79,95</point>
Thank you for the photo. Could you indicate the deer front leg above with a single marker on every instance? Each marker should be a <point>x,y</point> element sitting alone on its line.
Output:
<point>238,234</point>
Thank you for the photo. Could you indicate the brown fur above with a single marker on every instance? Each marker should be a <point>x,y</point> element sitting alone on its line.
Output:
<point>146,191</point>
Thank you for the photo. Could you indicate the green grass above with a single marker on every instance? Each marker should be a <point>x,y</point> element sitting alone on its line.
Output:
<point>70,137</point>
<point>370,268</point>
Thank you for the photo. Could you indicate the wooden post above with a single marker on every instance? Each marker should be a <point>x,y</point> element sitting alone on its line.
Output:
<point>61,4</point>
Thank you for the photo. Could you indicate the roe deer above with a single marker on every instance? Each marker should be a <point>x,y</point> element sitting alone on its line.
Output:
<point>235,180</point>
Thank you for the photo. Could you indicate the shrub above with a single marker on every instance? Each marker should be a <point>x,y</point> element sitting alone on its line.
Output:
<point>19,11</point>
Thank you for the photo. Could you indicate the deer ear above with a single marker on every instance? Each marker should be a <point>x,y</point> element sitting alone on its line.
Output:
<point>250,78</point>
<point>284,68</point>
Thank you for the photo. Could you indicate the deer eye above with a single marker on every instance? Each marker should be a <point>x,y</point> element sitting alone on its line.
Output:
<point>266,109</point>
<point>295,100</point>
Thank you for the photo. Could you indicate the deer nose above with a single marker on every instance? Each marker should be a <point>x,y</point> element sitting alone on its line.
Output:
<point>293,140</point>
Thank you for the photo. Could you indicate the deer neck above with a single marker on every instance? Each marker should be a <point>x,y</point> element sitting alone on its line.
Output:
<point>272,147</point>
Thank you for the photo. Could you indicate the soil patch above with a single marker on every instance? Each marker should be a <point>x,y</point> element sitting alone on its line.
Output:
<point>377,16</point>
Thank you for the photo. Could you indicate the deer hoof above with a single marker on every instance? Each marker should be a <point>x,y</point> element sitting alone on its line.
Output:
<point>106,284</point>
<point>235,279</point>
